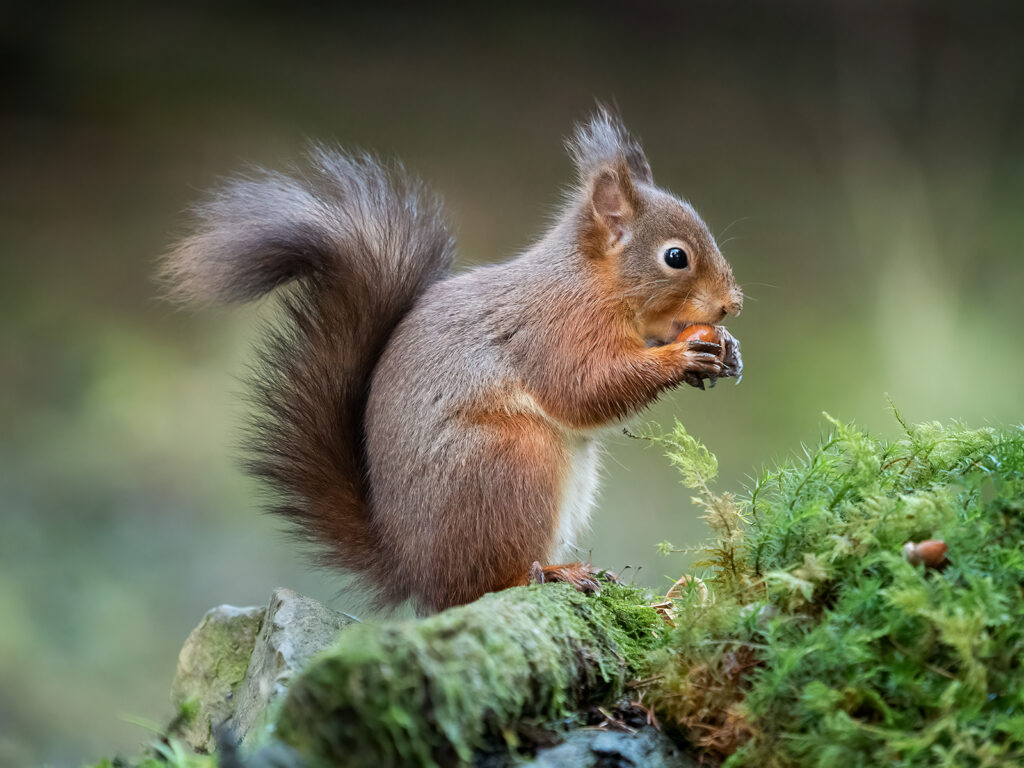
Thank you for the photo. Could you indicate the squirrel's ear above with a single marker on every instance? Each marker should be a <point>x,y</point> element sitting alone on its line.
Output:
<point>612,206</point>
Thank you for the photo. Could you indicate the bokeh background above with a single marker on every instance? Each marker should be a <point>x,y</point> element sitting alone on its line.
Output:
<point>862,163</point>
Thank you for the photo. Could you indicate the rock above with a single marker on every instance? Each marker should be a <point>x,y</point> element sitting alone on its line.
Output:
<point>598,748</point>
<point>294,629</point>
<point>238,662</point>
<point>211,668</point>
<point>592,748</point>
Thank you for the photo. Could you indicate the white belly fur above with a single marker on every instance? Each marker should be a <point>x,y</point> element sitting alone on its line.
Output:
<point>578,495</point>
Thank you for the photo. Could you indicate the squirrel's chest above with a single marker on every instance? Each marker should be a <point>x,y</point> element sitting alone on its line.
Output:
<point>579,489</point>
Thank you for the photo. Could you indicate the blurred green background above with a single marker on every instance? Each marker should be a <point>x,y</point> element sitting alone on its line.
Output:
<point>862,163</point>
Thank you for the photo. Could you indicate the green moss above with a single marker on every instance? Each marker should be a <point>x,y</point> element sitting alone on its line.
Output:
<point>188,710</point>
<point>419,692</point>
<point>226,647</point>
<point>825,645</point>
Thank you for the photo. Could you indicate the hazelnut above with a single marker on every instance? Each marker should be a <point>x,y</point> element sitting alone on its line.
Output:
<point>699,332</point>
<point>930,553</point>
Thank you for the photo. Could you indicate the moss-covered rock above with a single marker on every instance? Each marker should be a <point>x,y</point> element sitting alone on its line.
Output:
<point>432,691</point>
<point>211,667</point>
<point>294,629</point>
<point>237,664</point>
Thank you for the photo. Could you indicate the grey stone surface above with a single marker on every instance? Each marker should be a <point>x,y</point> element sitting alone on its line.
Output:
<point>211,668</point>
<point>237,663</point>
<point>294,629</point>
<point>593,748</point>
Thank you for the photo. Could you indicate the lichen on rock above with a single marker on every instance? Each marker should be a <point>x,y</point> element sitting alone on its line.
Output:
<point>294,629</point>
<point>237,663</point>
<point>211,667</point>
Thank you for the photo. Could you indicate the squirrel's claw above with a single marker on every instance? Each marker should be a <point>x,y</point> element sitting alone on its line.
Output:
<point>536,573</point>
<point>694,380</point>
<point>732,362</point>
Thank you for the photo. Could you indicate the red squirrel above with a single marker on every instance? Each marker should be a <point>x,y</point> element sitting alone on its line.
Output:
<point>438,434</point>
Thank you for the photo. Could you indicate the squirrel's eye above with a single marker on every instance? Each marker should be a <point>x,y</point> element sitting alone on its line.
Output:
<point>676,258</point>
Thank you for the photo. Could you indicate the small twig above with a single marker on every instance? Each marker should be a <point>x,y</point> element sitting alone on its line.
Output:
<point>905,459</point>
<point>612,721</point>
<point>645,682</point>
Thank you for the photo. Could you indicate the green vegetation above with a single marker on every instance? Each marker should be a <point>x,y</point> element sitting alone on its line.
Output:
<point>821,643</point>
<point>418,692</point>
<point>163,753</point>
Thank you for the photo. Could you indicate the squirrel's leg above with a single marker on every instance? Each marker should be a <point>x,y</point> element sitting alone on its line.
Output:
<point>499,513</point>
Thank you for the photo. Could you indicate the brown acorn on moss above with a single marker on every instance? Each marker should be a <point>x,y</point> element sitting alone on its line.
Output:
<point>930,553</point>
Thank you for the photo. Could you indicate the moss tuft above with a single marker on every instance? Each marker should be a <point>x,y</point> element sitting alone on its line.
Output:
<point>435,690</point>
<point>167,752</point>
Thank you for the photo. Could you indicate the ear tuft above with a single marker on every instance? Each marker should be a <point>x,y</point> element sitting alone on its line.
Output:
<point>603,141</point>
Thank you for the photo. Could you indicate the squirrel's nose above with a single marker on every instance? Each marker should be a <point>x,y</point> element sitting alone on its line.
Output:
<point>734,306</point>
<point>732,309</point>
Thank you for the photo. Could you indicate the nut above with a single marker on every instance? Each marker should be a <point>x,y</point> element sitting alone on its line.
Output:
<point>700,332</point>
<point>930,553</point>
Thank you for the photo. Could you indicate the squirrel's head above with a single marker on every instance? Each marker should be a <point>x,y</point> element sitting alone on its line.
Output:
<point>657,254</point>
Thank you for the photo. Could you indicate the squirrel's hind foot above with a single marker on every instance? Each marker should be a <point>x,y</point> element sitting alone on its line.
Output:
<point>583,576</point>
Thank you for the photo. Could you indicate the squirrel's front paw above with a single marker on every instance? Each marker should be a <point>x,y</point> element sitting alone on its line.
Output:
<point>583,576</point>
<point>702,360</point>
<point>711,357</point>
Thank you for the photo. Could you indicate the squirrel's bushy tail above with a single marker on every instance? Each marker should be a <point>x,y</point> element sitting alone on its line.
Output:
<point>360,242</point>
